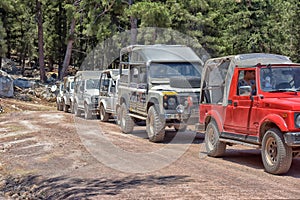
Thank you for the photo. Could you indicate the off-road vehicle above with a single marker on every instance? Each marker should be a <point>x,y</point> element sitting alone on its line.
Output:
<point>68,93</point>
<point>86,93</point>
<point>108,94</point>
<point>59,96</point>
<point>161,88</point>
<point>266,116</point>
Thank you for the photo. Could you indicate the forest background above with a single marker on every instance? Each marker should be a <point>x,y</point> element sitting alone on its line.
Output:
<point>47,33</point>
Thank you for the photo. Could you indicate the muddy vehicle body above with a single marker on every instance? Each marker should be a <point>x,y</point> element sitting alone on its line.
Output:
<point>86,93</point>
<point>266,116</point>
<point>161,88</point>
<point>108,94</point>
<point>68,86</point>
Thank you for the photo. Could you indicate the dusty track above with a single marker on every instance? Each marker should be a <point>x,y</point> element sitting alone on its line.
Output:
<point>45,154</point>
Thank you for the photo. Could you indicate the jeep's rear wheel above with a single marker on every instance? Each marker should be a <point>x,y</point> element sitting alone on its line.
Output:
<point>77,112</point>
<point>214,146</point>
<point>126,122</point>
<point>104,116</point>
<point>59,106</point>
<point>65,107</point>
<point>118,115</point>
<point>155,126</point>
<point>87,112</point>
<point>276,155</point>
<point>72,107</point>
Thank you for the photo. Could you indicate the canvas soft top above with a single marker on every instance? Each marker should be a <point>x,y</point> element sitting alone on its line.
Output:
<point>218,72</point>
<point>161,53</point>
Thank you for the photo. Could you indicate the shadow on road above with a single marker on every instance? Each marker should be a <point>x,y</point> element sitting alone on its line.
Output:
<point>252,158</point>
<point>38,187</point>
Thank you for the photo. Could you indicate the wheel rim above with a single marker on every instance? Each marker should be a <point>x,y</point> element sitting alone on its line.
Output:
<point>211,137</point>
<point>271,151</point>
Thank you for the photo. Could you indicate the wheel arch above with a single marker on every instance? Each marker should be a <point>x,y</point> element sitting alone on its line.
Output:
<point>214,115</point>
<point>272,121</point>
<point>151,102</point>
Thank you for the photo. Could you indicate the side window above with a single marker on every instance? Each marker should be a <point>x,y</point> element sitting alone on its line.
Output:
<point>246,83</point>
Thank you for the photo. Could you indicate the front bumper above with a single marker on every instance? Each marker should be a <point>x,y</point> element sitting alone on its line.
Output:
<point>292,139</point>
<point>187,117</point>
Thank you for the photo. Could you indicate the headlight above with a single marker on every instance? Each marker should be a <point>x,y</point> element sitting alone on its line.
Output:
<point>297,120</point>
<point>170,102</point>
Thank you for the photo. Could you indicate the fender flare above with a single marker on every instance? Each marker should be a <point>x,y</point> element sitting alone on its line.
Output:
<point>153,101</point>
<point>275,119</point>
<point>216,116</point>
<point>103,103</point>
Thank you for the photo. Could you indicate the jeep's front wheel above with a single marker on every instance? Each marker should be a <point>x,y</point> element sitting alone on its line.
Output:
<point>276,155</point>
<point>104,116</point>
<point>59,106</point>
<point>65,107</point>
<point>87,112</point>
<point>77,112</point>
<point>126,122</point>
<point>155,126</point>
<point>214,146</point>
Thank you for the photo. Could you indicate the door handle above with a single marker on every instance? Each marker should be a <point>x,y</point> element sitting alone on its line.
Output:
<point>235,104</point>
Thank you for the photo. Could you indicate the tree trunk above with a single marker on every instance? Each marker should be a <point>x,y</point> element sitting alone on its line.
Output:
<point>40,41</point>
<point>68,51</point>
<point>133,30</point>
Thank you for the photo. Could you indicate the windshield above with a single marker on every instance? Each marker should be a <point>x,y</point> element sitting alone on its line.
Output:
<point>92,84</point>
<point>168,70</point>
<point>275,79</point>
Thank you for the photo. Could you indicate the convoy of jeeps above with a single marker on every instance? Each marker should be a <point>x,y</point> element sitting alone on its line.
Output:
<point>169,86</point>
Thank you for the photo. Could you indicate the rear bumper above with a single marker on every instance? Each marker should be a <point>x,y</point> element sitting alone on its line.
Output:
<point>292,139</point>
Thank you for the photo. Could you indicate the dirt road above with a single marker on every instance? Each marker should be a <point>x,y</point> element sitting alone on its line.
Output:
<point>46,154</point>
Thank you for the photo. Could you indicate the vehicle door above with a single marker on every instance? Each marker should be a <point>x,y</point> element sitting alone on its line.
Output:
<point>138,88</point>
<point>241,107</point>
<point>104,91</point>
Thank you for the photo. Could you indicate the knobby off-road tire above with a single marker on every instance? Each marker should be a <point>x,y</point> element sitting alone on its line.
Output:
<point>155,126</point>
<point>276,155</point>
<point>72,107</point>
<point>214,147</point>
<point>126,122</point>
<point>77,112</point>
<point>87,113</point>
<point>65,107</point>
<point>59,106</point>
<point>104,116</point>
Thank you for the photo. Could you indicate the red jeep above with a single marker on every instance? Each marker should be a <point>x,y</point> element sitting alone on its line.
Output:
<point>265,114</point>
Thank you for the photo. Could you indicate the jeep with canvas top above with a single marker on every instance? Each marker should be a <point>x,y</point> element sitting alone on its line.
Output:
<point>68,90</point>
<point>161,87</point>
<point>266,116</point>
<point>86,93</point>
<point>108,94</point>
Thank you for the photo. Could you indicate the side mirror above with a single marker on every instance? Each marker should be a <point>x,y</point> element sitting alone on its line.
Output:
<point>245,90</point>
